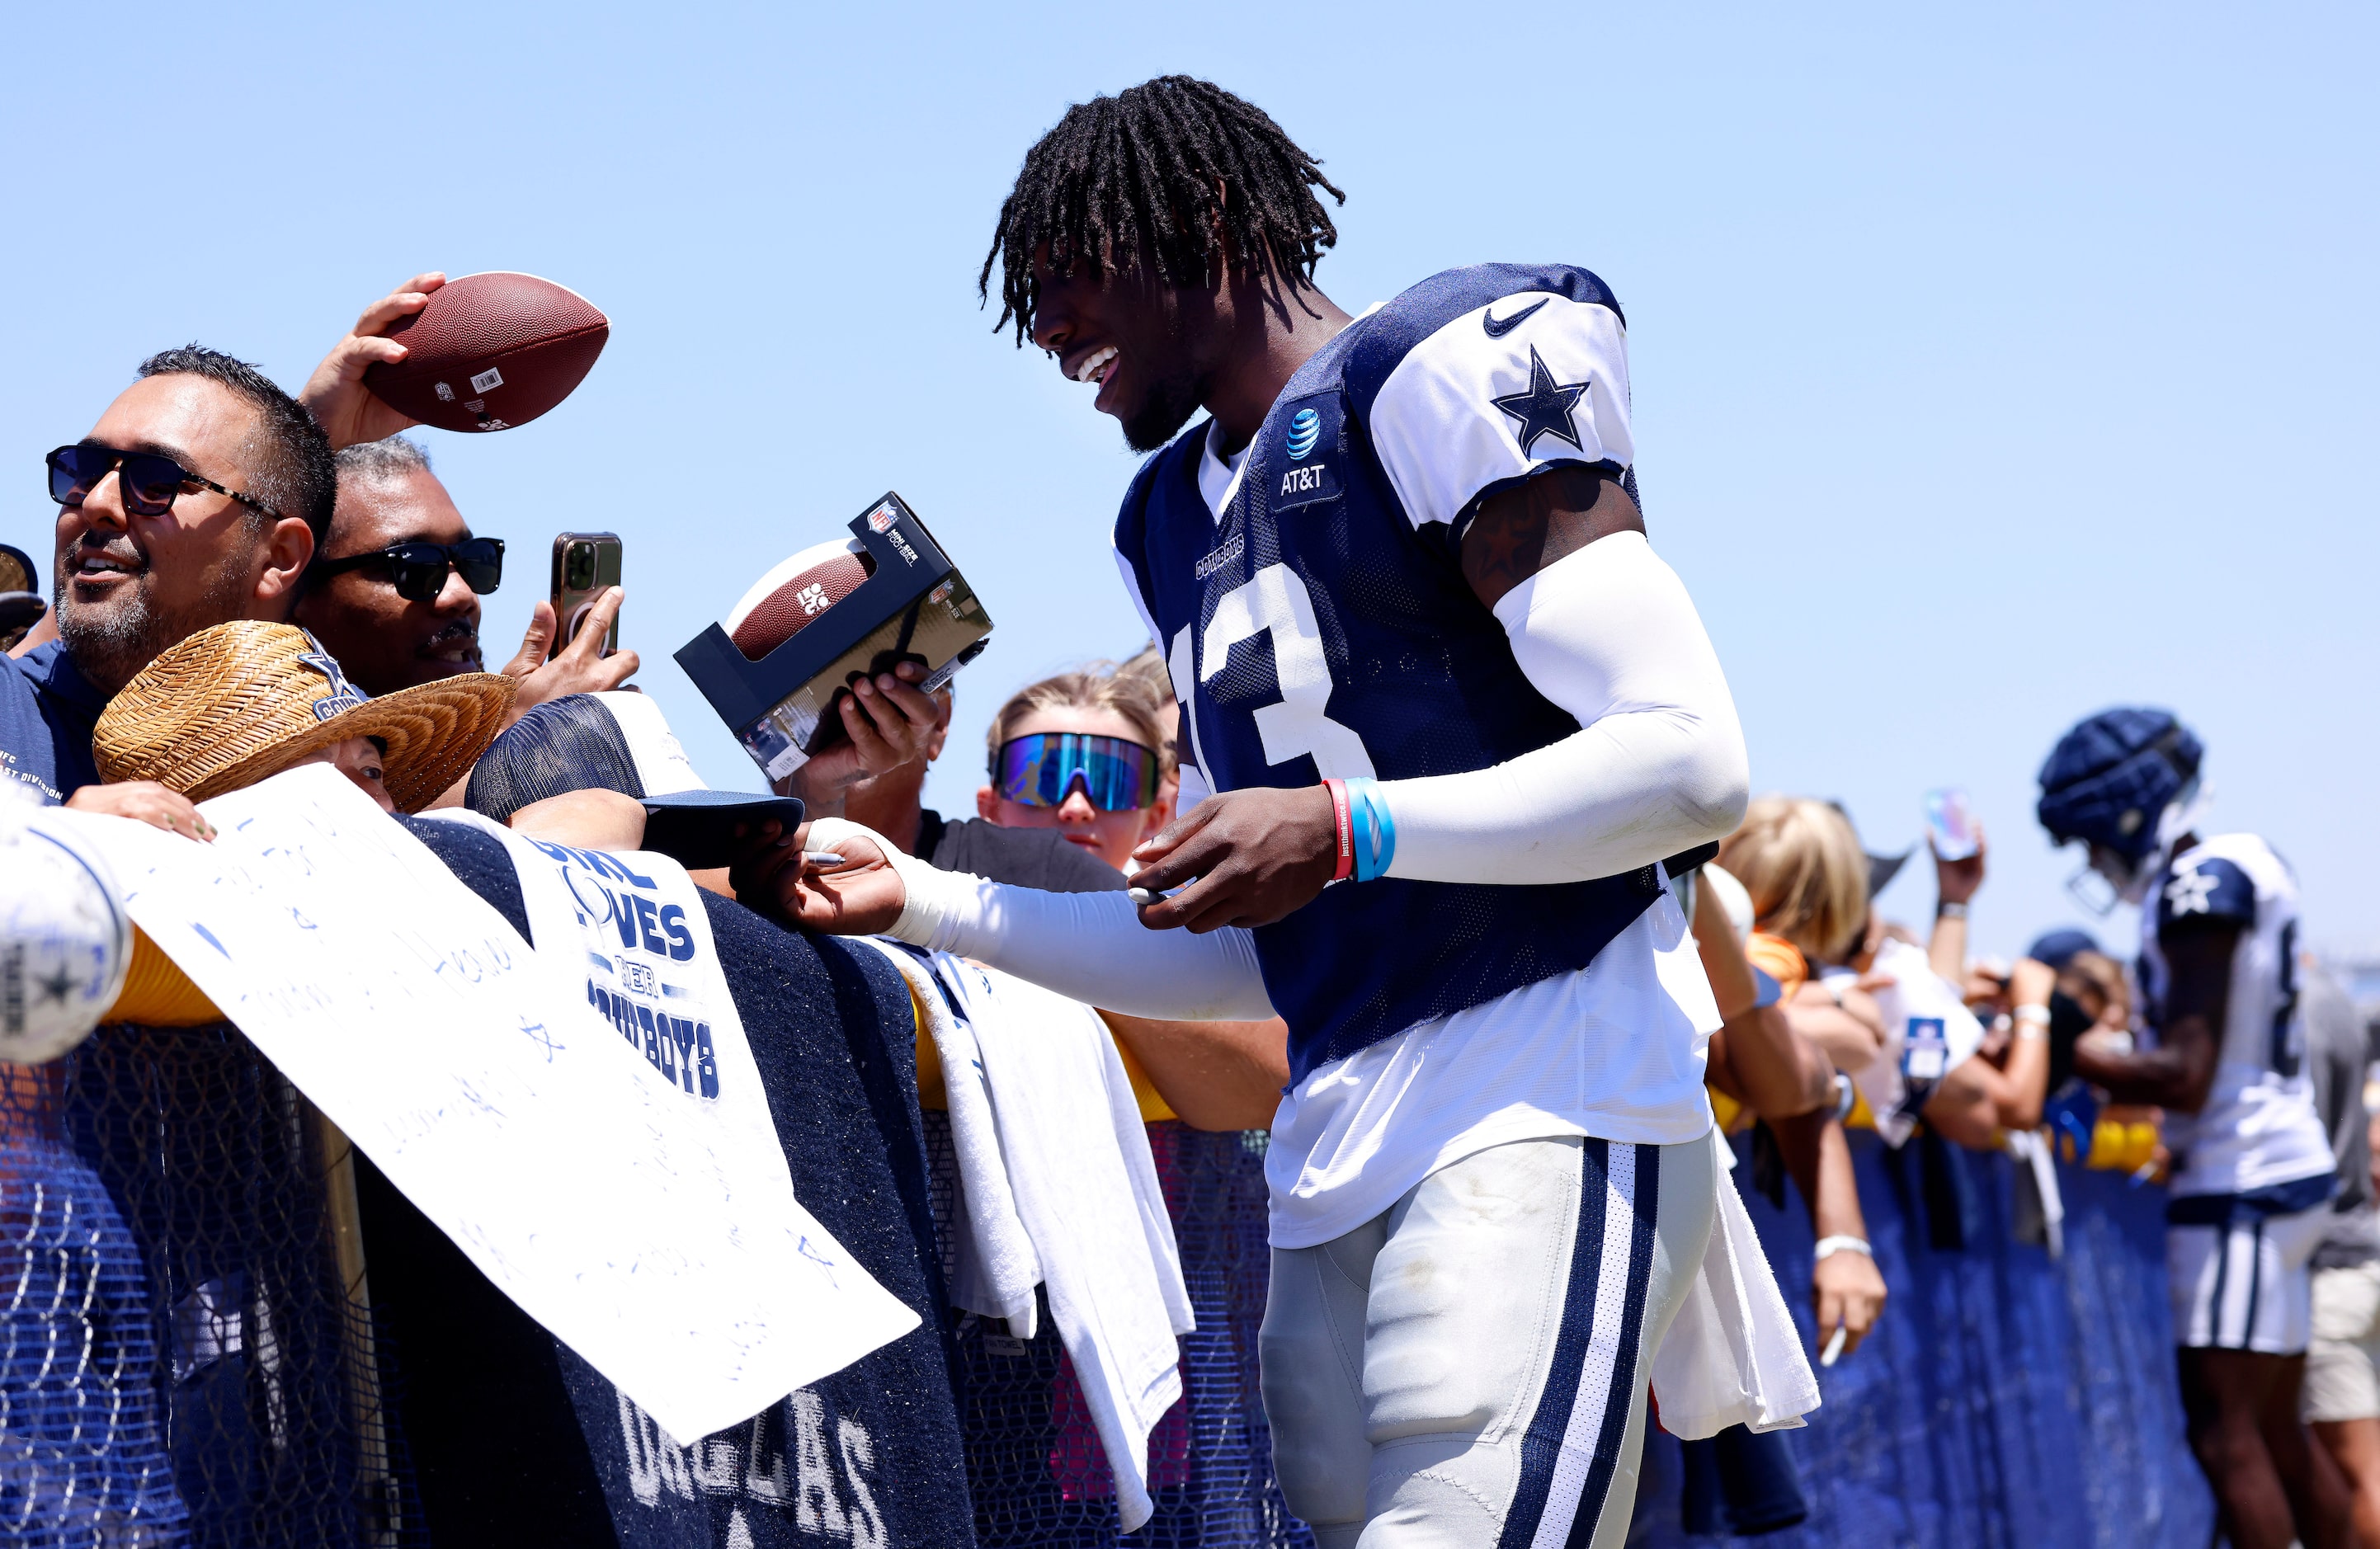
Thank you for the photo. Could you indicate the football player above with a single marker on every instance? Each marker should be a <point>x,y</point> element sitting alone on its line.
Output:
<point>1450,724</point>
<point>2252,1165</point>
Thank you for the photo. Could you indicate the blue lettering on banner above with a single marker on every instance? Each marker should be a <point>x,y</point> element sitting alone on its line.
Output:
<point>680,1049</point>
<point>595,861</point>
<point>649,925</point>
<point>681,940</point>
<point>658,1048</point>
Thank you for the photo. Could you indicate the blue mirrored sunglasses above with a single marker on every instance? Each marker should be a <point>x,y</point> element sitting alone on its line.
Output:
<point>1039,771</point>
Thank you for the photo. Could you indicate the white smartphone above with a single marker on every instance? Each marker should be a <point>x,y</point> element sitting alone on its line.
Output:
<point>1949,825</point>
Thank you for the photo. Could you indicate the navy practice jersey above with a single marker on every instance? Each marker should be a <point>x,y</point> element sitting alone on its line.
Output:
<point>2259,1127</point>
<point>1319,624</point>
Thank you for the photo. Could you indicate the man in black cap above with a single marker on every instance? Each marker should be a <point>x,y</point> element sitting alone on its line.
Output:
<point>2252,1165</point>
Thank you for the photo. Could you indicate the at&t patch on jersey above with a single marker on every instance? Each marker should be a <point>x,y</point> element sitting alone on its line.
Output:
<point>1310,452</point>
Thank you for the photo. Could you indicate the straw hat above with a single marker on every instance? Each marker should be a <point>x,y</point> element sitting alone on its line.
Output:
<point>234,704</point>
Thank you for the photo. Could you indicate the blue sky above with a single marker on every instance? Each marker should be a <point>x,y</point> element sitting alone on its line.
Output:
<point>1990,366</point>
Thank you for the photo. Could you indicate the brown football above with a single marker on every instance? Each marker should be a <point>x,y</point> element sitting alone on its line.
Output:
<point>490,352</point>
<point>784,601</point>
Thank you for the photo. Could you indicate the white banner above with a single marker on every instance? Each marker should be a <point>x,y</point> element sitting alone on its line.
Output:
<point>654,1240</point>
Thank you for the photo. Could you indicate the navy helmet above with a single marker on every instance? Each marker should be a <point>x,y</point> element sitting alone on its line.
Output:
<point>2110,778</point>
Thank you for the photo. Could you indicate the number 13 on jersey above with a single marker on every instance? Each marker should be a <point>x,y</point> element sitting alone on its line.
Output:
<point>1273,602</point>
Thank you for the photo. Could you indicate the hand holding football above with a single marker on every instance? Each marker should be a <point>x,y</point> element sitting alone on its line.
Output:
<point>489,352</point>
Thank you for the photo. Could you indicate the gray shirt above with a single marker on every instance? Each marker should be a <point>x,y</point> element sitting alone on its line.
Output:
<point>2338,1053</point>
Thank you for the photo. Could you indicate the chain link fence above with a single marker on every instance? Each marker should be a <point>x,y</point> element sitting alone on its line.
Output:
<point>1038,1471</point>
<point>187,1353</point>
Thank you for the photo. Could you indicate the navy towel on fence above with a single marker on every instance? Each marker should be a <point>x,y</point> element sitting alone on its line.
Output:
<point>870,1456</point>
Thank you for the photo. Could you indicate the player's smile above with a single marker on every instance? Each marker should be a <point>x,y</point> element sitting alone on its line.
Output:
<point>1098,365</point>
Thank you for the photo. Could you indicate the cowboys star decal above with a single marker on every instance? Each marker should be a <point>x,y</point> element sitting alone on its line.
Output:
<point>2191,893</point>
<point>1546,408</point>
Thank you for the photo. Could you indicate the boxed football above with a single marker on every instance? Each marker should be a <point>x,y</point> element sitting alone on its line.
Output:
<point>813,625</point>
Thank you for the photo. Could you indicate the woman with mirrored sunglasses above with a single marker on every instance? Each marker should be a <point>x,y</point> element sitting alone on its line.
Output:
<point>1090,755</point>
<point>1062,759</point>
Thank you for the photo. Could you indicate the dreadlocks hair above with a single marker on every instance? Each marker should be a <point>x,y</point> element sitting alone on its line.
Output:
<point>1172,172</point>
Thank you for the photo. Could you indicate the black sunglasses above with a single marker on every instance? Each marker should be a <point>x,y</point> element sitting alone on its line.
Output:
<point>418,570</point>
<point>149,482</point>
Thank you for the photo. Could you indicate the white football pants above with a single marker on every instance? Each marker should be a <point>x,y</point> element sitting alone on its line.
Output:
<point>1469,1368</point>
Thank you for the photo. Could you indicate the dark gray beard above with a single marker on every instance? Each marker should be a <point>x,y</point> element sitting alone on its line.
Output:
<point>110,645</point>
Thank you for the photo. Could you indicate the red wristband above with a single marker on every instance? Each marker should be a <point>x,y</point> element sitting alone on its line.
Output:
<point>1345,823</point>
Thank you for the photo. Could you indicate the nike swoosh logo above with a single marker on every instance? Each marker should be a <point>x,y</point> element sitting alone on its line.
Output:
<point>1498,329</point>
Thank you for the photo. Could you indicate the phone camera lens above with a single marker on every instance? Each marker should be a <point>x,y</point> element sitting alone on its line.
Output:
<point>578,566</point>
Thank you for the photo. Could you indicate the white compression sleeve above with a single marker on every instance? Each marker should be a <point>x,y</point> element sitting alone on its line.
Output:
<point>1659,767</point>
<point>1087,947</point>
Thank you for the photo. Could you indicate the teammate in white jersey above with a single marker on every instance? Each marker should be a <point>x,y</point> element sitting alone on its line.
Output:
<point>2252,1165</point>
<point>1425,652</point>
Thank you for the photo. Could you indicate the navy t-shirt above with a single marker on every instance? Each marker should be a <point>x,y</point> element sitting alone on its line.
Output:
<point>47,712</point>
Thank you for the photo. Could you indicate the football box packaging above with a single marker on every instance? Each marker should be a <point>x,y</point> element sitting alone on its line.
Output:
<point>913,606</point>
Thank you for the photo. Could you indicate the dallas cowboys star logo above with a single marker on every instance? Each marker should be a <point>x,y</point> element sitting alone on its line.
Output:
<point>2191,893</point>
<point>56,986</point>
<point>1545,408</point>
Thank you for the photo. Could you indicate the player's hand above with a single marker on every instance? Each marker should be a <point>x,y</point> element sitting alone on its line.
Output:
<point>579,668</point>
<point>1848,1291</point>
<point>346,409</point>
<point>145,801</point>
<point>859,895</point>
<point>1957,881</point>
<point>1256,855</point>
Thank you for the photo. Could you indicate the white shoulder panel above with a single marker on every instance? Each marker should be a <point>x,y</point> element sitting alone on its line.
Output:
<point>1529,380</point>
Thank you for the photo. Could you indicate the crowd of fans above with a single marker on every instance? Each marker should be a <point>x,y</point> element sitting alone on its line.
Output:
<point>247,581</point>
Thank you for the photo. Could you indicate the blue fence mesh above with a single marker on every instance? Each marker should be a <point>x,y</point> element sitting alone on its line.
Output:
<point>179,1360</point>
<point>2005,1399</point>
<point>1035,1464</point>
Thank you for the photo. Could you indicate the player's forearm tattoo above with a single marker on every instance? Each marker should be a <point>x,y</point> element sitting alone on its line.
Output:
<point>1520,530</point>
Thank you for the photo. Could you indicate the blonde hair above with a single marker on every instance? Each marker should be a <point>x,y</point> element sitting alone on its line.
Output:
<point>1805,871</point>
<point>1137,690</point>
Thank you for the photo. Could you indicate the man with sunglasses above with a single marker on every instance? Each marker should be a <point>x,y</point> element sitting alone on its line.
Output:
<point>197,499</point>
<point>397,593</point>
<point>394,594</point>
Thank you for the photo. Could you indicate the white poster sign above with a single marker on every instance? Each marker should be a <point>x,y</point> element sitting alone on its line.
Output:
<point>655,1242</point>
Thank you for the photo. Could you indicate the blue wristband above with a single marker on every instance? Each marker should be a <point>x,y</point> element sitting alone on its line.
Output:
<point>1375,828</point>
